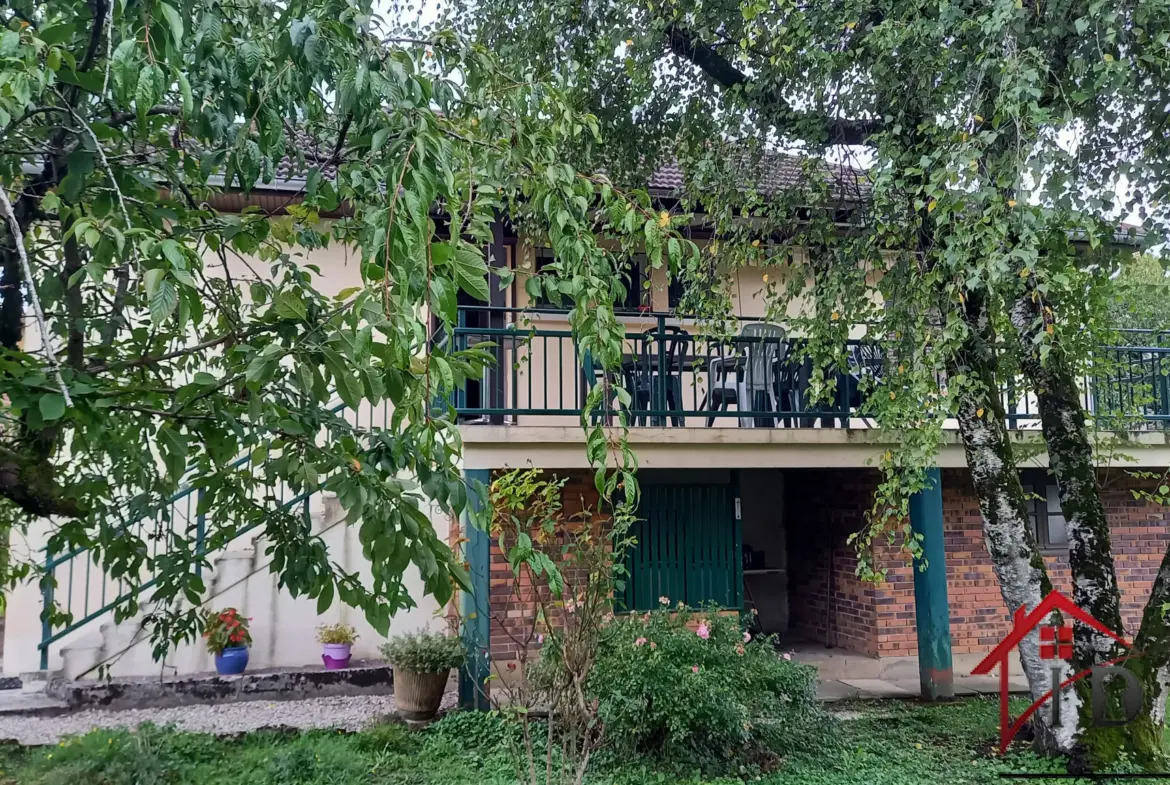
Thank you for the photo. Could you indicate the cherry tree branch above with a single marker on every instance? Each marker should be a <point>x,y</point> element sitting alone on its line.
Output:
<point>689,46</point>
<point>18,238</point>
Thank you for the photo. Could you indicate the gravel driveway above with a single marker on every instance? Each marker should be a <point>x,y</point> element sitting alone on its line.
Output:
<point>349,713</point>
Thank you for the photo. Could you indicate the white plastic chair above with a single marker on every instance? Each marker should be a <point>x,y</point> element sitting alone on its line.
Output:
<point>754,369</point>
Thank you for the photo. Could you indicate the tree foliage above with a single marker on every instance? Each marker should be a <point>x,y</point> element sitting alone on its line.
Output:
<point>189,347</point>
<point>1142,297</point>
<point>1000,141</point>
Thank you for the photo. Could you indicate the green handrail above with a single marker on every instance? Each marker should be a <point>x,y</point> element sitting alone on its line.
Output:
<point>51,562</point>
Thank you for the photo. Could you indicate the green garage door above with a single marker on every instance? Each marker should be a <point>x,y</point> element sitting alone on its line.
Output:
<point>689,548</point>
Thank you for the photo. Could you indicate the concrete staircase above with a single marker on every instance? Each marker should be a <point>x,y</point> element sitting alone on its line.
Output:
<point>124,648</point>
<point>283,627</point>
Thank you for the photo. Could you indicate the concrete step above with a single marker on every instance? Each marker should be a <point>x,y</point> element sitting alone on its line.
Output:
<point>35,702</point>
<point>364,678</point>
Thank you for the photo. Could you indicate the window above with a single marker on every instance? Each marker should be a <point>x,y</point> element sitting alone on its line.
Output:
<point>633,279</point>
<point>675,292</point>
<point>1044,512</point>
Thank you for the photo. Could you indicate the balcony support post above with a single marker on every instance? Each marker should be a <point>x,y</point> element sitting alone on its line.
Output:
<point>932,610</point>
<point>474,608</point>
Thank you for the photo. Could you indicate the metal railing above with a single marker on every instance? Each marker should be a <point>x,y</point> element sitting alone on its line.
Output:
<point>77,587</point>
<point>758,378</point>
<point>675,378</point>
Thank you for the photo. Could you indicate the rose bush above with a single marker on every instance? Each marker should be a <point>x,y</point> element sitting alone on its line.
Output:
<point>693,686</point>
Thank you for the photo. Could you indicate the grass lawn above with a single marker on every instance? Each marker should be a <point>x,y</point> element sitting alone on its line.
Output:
<point>892,743</point>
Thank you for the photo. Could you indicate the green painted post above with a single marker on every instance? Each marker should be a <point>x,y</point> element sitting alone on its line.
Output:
<point>932,611</point>
<point>47,607</point>
<point>476,616</point>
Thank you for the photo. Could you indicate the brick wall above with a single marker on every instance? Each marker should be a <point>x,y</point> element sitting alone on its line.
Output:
<point>827,602</point>
<point>830,605</point>
<point>1140,533</point>
<point>514,608</point>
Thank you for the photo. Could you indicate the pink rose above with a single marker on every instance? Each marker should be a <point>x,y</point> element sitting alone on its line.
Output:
<point>704,631</point>
<point>640,642</point>
<point>747,637</point>
<point>787,655</point>
<point>664,600</point>
<point>694,669</point>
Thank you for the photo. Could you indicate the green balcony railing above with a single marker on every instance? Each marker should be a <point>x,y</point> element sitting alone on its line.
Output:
<point>675,379</point>
<point>756,379</point>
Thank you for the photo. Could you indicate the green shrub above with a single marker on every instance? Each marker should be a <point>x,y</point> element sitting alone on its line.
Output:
<point>425,652</point>
<point>336,634</point>
<point>477,730</point>
<point>704,694</point>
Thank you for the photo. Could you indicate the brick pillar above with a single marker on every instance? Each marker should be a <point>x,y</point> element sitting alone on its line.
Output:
<point>932,611</point>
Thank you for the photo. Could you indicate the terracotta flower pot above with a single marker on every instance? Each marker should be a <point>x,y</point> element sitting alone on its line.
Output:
<point>417,696</point>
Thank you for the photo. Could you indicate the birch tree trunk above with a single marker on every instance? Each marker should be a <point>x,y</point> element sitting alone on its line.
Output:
<point>1023,579</point>
<point>1070,456</point>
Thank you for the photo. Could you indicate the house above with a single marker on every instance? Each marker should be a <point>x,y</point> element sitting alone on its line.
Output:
<point>749,493</point>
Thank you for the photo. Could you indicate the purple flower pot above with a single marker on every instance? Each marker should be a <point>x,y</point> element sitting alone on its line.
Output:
<point>336,656</point>
<point>231,661</point>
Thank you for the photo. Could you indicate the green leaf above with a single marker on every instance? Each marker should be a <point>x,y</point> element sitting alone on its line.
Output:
<point>174,254</point>
<point>444,300</point>
<point>152,279</point>
<point>149,90</point>
<point>58,34</point>
<point>185,91</point>
<point>379,139</point>
<point>174,452</point>
<point>289,305</point>
<point>348,387</point>
<point>163,298</point>
<point>52,406</point>
<point>175,22</point>
<point>325,598</point>
<point>471,272</point>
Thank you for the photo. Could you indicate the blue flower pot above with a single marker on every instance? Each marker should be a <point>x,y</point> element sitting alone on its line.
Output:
<point>231,661</point>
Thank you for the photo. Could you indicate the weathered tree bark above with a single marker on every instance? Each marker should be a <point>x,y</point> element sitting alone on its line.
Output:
<point>1023,579</point>
<point>1152,647</point>
<point>26,474</point>
<point>1095,590</point>
<point>28,481</point>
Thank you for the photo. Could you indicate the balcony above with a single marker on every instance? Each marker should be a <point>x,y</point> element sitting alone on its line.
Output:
<point>679,379</point>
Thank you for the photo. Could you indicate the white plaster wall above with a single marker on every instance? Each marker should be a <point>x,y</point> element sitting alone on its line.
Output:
<point>283,628</point>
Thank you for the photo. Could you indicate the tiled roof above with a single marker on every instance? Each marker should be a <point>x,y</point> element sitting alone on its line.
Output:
<point>771,174</point>
<point>315,153</point>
